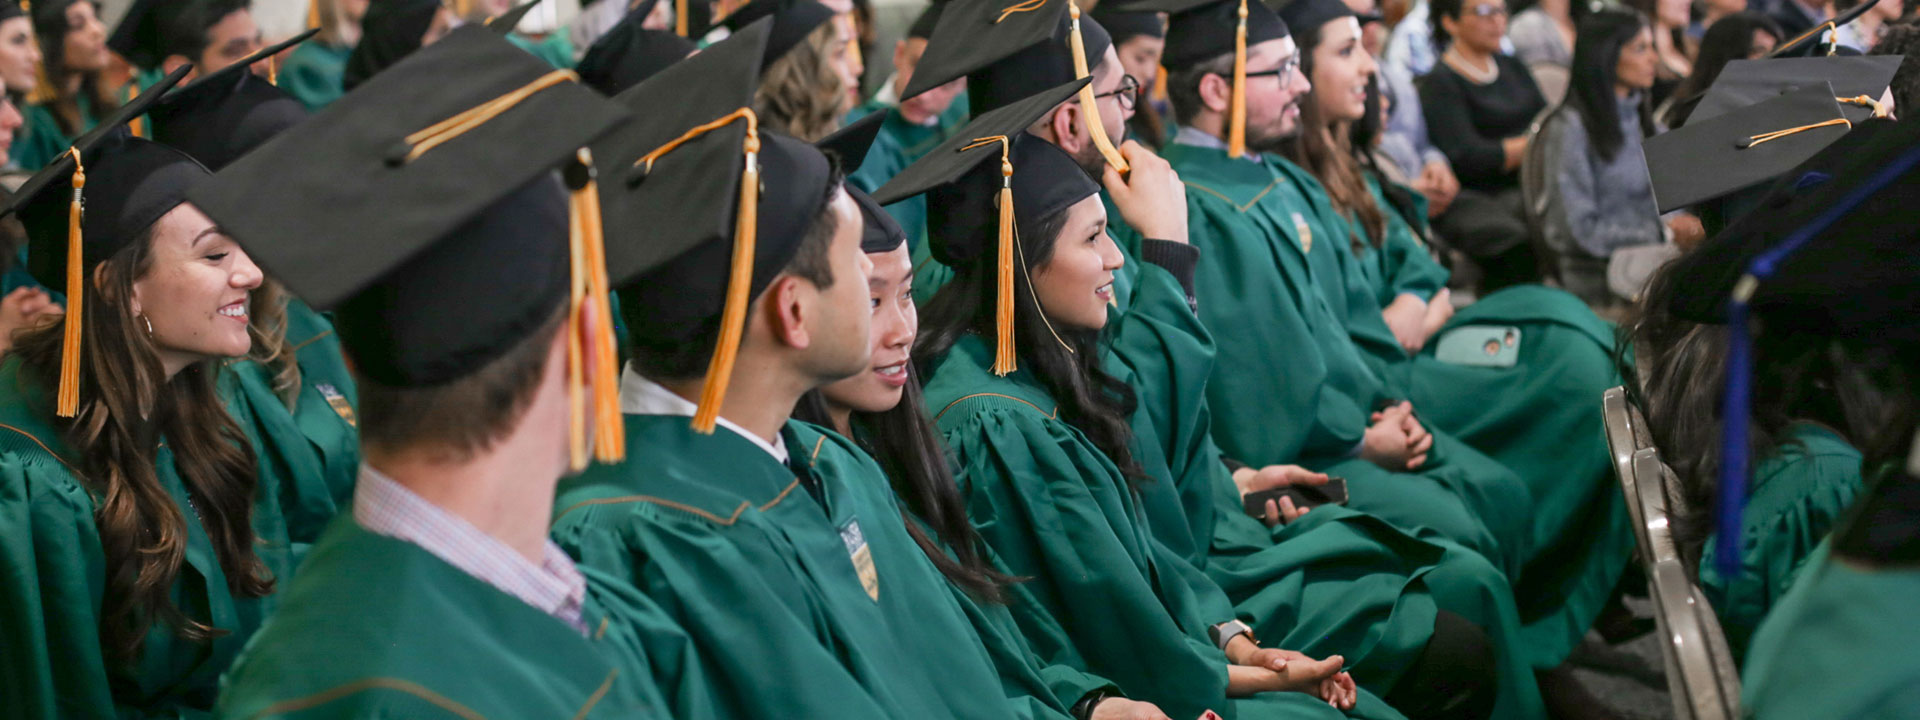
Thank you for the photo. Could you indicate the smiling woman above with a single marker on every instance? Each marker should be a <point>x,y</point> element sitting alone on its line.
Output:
<point>154,549</point>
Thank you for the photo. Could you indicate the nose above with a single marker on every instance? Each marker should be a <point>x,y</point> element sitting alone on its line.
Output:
<point>1110,256</point>
<point>1368,65</point>
<point>1298,82</point>
<point>245,275</point>
<point>894,327</point>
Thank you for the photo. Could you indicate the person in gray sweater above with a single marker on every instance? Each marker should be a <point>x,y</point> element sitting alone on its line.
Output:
<point>1602,201</point>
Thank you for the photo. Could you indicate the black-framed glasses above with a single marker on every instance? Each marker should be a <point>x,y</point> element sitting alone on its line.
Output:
<point>1286,68</point>
<point>1128,91</point>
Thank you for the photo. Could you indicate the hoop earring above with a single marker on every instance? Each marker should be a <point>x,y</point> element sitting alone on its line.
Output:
<point>149,323</point>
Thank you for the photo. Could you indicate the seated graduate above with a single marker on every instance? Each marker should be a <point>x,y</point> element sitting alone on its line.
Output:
<point>392,30</point>
<point>141,549</point>
<point>806,82</point>
<point>312,71</point>
<point>293,395</point>
<point>157,36</point>
<point>778,545</point>
<point>1806,433</point>
<point>459,295</point>
<point>882,410</point>
<point>1277,269</point>
<point>75,94</point>
<point>1825,404</point>
<point>1830,254</point>
<point>1053,503</point>
<point>630,52</point>
<point>1153,331</point>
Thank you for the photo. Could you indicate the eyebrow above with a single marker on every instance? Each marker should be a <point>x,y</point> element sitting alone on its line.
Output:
<point>215,230</point>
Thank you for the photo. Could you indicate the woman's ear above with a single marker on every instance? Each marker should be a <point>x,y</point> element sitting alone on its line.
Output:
<point>1448,24</point>
<point>98,285</point>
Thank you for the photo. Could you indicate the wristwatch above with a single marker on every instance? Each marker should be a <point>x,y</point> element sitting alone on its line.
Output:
<point>1225,633</point>
<point>1083,710</point>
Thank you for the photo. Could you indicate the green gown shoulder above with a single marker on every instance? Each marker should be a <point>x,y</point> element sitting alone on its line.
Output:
<point>811,560</point>
<point>556,49</point>
<point>1842,643</point>
<point>1796,498</point>
<point>51,553</point>
<point>312,73</point>
<point>378,627</point>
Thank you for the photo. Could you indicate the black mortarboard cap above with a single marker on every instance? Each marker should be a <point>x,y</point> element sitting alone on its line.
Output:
<point>629,53</point>
<point>848,145</point>
<point>672,186</point>
<point>152,30</point>
<point>1124,25</point>
<point>1005,54</point>
<point>879,231</point>
<point>505,22</point>
<point>1202,31</point>
<point>1710,158</point>
<point>222,115</point>
<point>425,211</point>
<point>793,21</point>
<point>389,31</point>
<point>1834,252</point>
<point>924,23</point>
<point>1747,82</point>
<point>10,10</point>
<point>1813,42</point>
<point>1311,14</point>
<point>974,203</point>
<point>120,186</point>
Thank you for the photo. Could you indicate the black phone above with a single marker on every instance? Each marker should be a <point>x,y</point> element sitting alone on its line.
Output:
<point>1304,496</point>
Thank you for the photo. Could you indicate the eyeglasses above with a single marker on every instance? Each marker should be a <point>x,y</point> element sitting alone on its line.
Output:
<point>1128,91</point>
<point>1488,10</point>
<point>1286,68</point>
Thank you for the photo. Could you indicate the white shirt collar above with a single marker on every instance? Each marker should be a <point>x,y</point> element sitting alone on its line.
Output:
<point>1190,135</point>
<point>640,396</point>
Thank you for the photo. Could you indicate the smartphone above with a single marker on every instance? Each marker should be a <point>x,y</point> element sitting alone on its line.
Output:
<point>1480,346</point>
<point>1304,496</point>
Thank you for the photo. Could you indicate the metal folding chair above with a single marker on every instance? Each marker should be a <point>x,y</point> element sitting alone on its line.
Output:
<point>1701,676</point>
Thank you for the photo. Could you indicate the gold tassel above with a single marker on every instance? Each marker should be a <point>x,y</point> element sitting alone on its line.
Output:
<point>610,445</point>
<point>67,403</point>
<point>433,135</point>
<point>680,18</point>
<point>313,14</point>
<point>135,125</point>
<point>1004,357</point>
<point>1089,105</point>
<point>273,71</point>
<point>733,315</point>
<point>1237,111</point>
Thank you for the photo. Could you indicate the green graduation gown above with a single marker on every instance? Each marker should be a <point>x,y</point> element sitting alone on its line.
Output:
<point>1840,644</point>
<point>1796,497</point>
<point>1541,417</point>
<point>1336,581</point>
<point>312,73</point>
<point>1052,507</point>
<point>41,140</point>
<point>311,451</point>
<point>803,604</point>
<point>556,49</point>
<point>1292,387</point>
<point>51,581</point>
<point>379,627</point>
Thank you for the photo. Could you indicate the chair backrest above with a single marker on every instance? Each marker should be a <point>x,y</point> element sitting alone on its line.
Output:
<point>1626,436</point>
<point>1701,676</point>
<point>1553,79</point>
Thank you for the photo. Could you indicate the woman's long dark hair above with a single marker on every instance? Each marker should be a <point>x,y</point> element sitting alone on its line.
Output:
<point>1729,39</point>
<point>1095,403</point>
<point>127,408</point>
<point>907,445</point>
<point>1679,379</point>
<point>1325,149</point>
<point>1595,74</point>
<point>51,29</point>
